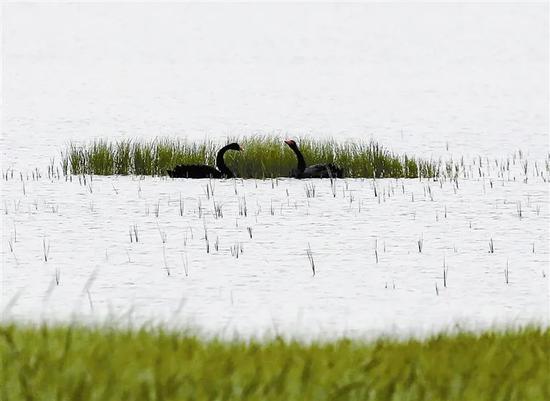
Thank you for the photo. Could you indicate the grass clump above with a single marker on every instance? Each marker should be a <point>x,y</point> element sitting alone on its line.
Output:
<point>263,157</point>
<point>70,363</point>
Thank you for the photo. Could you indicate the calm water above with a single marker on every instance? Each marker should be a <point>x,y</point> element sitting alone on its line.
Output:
<point>418,78</point>
<point>246,269</point>
<point>431,80</point>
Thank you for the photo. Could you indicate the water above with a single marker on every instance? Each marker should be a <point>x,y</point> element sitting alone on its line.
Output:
<point>190,266</point>
<point>429,80</point>
<point>416,78</point>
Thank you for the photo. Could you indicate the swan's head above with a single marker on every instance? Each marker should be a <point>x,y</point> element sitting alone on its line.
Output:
<point>234,146</point>
<point>291,143</point>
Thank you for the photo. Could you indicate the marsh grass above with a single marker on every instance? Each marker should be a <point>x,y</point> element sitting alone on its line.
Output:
<point>77,363</point>
<point>263,157</point>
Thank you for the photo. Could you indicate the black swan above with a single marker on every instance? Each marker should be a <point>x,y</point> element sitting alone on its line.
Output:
<point>204,171</point>
<point>328,170</point>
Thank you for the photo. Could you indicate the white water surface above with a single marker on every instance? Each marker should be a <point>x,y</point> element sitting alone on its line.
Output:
<point>436,81</point>
<point>191,266</point>
<point>421,78</point>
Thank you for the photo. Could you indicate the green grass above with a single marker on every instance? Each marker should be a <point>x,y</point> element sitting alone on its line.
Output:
<point>263,157</point>
<point>77,363</point>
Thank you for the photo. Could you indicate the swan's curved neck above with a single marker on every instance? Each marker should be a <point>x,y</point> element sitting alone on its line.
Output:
<point>301,160</point>
<point>220,162</point>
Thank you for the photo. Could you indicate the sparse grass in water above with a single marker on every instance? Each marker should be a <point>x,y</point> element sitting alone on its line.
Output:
<point>71,363</point>
<point>263,157</point>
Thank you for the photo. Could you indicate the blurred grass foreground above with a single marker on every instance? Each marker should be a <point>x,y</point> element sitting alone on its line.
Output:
<point>79,363</point>
<point>262,157</point>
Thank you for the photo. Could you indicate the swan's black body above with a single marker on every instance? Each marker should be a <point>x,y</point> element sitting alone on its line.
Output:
<point>204,171</point>
<point>328,170</point>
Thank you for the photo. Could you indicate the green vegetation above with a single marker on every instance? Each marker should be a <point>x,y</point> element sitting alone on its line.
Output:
<point>263,157</point>
<point>77,363</point>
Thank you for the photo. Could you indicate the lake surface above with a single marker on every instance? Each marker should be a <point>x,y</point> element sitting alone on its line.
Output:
<point>238,261</point>
<point>436,81</point>
<point>416,78</point>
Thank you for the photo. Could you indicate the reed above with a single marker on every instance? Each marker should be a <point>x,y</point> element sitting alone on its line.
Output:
<point>310,258</point>
<point>263,157</point>
<point>45,249</point>
<point>82,363</point>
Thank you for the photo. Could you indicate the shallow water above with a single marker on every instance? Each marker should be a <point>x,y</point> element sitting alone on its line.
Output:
<point>430,80</point>
<point>369,274</point>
